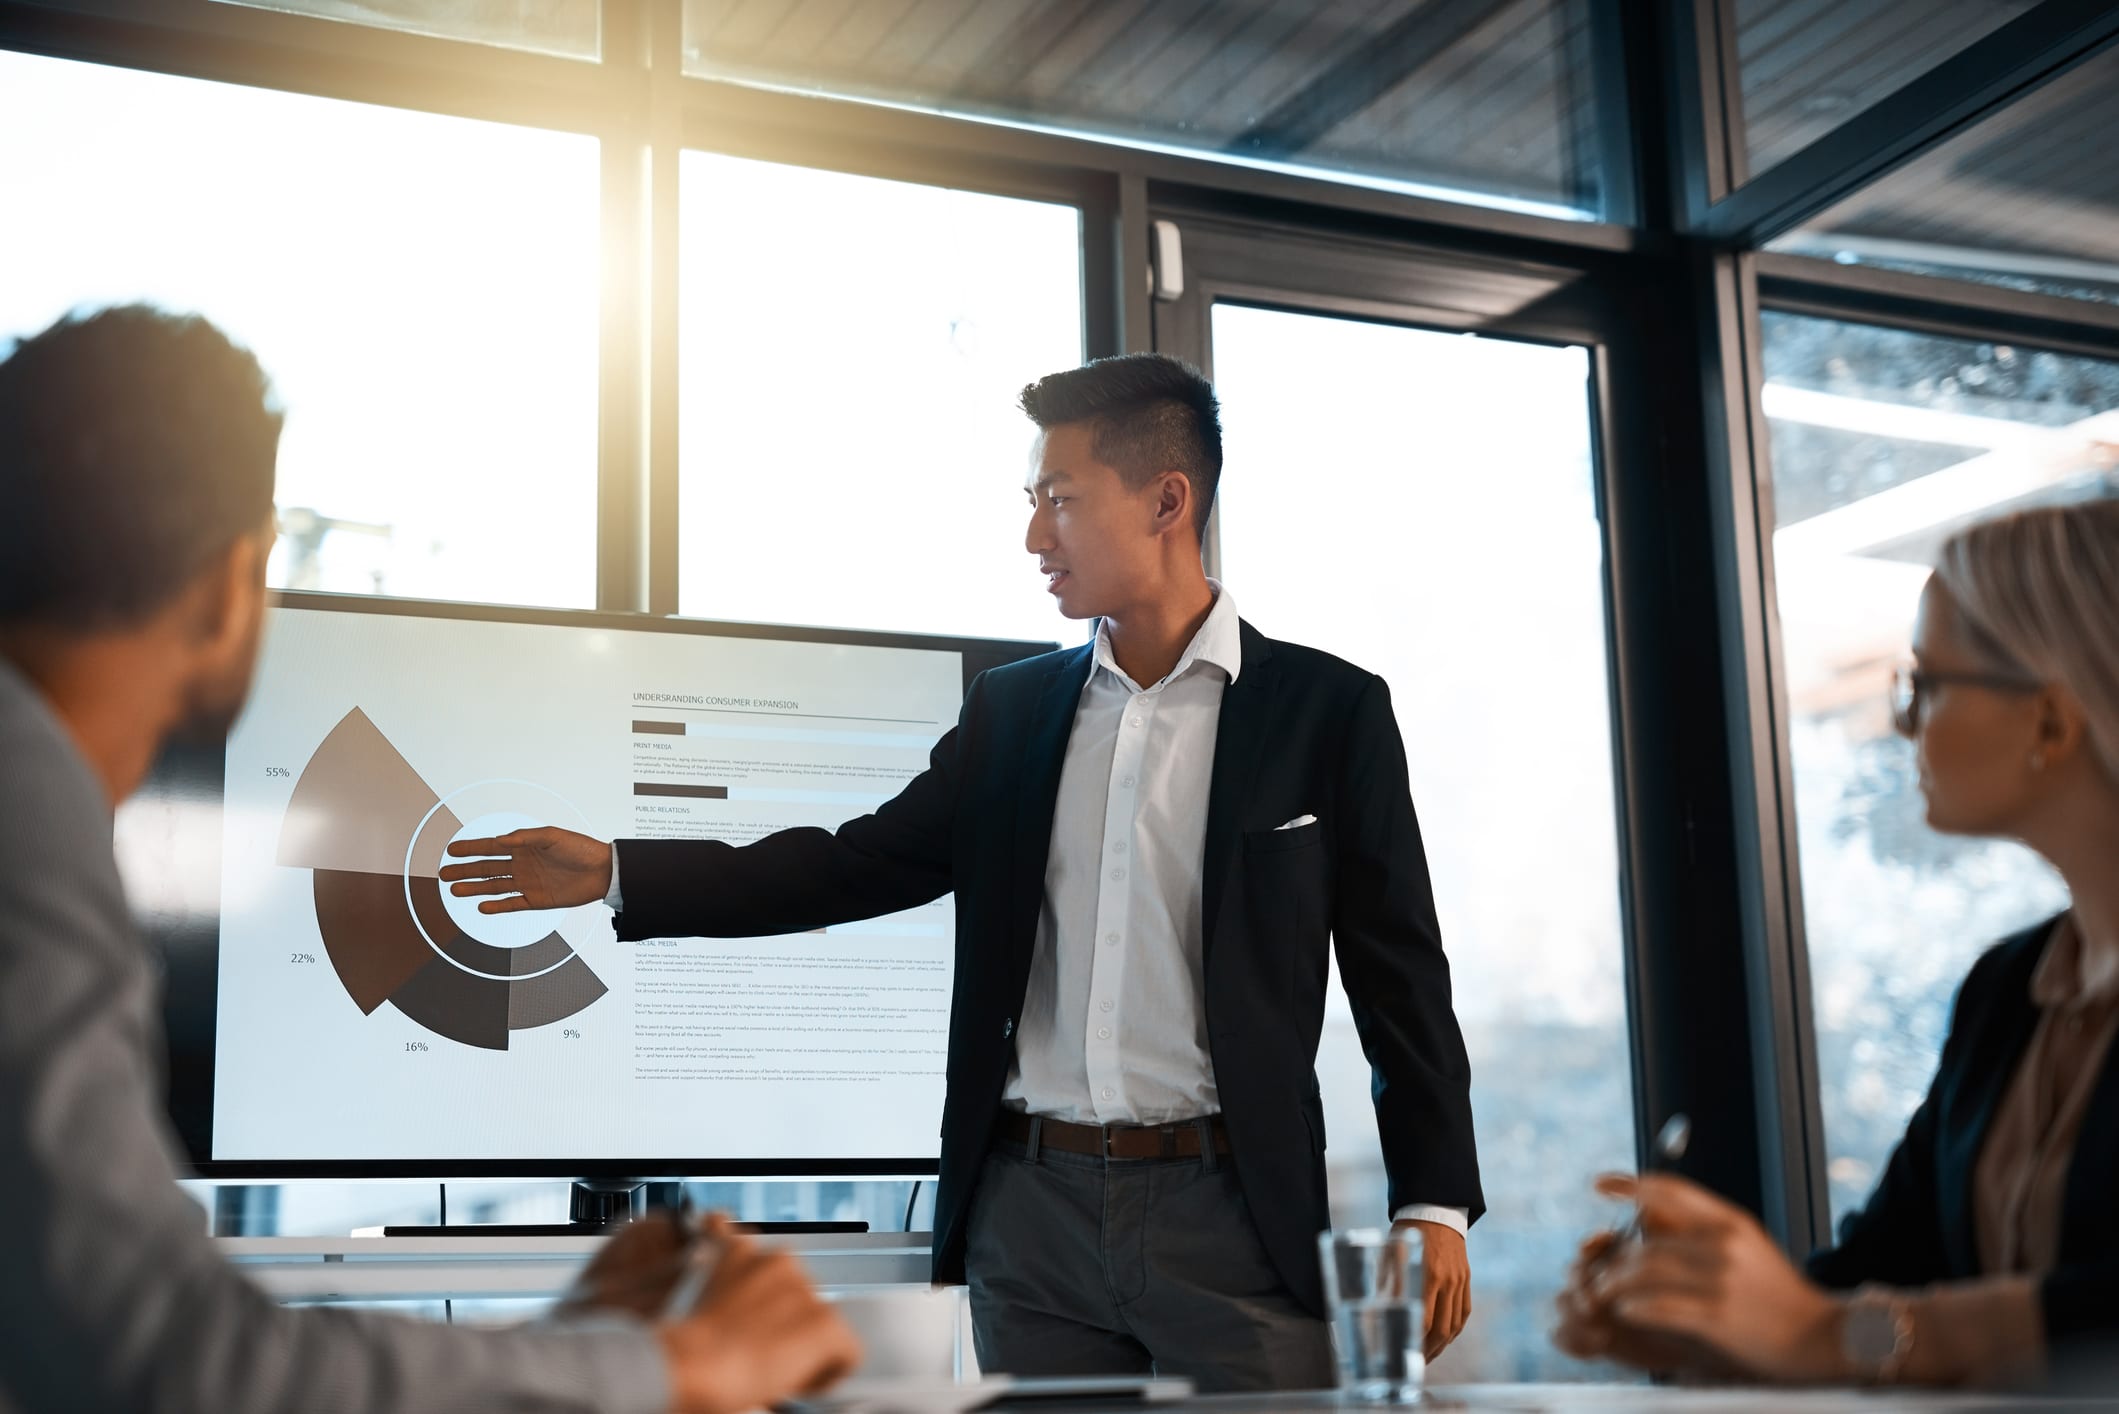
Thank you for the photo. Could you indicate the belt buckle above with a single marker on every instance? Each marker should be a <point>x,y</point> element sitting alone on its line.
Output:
<point>1105,1136</point>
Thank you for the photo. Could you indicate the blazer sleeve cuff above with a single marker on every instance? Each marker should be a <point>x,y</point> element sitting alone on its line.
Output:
<point>1459,1219</point>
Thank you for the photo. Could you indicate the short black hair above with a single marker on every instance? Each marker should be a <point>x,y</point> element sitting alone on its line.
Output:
<point>135,445</point>
<point>1149,413</point>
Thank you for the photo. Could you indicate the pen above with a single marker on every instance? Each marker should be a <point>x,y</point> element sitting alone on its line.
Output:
<point>702,1255</point>
<point>1671,1141</point>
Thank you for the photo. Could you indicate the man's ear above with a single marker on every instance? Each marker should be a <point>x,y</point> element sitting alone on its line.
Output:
<point>228,595</point>
<point>1173,502</point>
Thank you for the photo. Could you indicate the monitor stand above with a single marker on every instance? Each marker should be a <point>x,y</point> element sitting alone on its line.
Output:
<point>597,1206</point>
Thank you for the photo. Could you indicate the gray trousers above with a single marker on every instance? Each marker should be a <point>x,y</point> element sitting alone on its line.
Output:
<point>1081,1265</point>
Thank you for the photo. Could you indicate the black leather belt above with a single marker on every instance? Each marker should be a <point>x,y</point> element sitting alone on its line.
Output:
<point>1115,1141</point>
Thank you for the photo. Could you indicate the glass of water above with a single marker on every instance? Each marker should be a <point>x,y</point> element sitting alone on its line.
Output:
<point>1372,1284</point>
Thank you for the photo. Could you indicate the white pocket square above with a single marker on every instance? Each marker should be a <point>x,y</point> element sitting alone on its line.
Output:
<point>1295,824</point>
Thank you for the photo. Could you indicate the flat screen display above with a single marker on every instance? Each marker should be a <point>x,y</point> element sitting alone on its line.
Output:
<point>334,1009</point>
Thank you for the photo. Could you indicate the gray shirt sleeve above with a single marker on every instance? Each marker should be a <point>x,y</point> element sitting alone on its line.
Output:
<point>112,1296</point>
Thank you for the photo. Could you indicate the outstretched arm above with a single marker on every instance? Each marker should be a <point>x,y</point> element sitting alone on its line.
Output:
<point>894,859</point>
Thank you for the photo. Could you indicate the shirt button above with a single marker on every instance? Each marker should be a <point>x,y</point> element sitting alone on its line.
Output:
<point>1106,1006</point>
<point>1118,849</point>
<point>1110,940</point>
<point>1118,876</point>
<point>1109,1093</point>
<point>1127,783</point>
<point>1103,1033</point>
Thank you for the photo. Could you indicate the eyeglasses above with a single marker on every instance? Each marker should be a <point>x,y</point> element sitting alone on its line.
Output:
<point>1911,687</point>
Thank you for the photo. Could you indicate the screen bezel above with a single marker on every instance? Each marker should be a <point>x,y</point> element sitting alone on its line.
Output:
<point>189,946</point>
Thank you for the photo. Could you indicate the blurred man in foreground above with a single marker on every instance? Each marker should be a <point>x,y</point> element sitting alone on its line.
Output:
<point>137,455</point>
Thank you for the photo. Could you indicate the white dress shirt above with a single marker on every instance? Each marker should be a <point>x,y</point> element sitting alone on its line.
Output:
<point>1113,1027</point>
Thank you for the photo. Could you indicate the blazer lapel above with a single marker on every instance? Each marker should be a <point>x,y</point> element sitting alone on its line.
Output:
<point>1044,753</point>
<point>1988,1077</point>
<point>1239,742</point>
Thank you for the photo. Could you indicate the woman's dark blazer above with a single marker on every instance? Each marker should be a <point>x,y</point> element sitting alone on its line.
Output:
<point>1917,1227</point>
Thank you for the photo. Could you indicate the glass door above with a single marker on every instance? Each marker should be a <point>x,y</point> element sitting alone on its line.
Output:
<point>1412,486</point>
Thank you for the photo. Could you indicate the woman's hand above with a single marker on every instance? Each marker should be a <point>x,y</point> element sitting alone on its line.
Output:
<point>1704,1272</point>
<point>1589,1330</point>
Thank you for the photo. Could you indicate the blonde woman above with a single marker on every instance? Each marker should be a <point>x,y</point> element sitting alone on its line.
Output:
<point>1990,1247</point>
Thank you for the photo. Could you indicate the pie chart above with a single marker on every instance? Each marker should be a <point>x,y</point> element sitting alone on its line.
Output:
<point>373,833</point>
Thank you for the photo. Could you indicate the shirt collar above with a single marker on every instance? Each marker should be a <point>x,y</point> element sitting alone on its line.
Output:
<point>1219,641</point>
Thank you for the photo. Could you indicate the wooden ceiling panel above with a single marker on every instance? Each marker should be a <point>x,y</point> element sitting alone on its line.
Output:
<point>2032,190</point>
<point>1425,90</point>
<point>1809,65</point>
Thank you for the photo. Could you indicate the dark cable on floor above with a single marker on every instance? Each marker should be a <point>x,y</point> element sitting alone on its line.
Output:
<point>909,1202</point>
<point>448,1307</point>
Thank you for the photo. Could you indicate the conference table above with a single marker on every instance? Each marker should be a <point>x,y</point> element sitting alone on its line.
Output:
<point>881,1279</point>
<point>1611,1398</point>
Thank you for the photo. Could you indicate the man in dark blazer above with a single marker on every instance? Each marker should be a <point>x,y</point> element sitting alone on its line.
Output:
<point>1153,840</point>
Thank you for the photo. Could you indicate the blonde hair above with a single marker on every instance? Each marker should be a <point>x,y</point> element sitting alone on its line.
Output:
<point>2040,589</point>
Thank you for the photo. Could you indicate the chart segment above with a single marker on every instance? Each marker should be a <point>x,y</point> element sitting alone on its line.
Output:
<point>374,835</point>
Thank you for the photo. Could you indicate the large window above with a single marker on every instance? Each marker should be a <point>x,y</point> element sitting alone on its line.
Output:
<point>1884,441</point>
<point>852,350</point>
<point>2024,200</point>
<point>1485,101</point>
<point>1424,505</point>
<point>423,291</point>
<point>1810,65</point>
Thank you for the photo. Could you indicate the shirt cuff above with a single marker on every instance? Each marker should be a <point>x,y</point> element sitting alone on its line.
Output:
<point>1459,1219</point>
<point>611,897</point>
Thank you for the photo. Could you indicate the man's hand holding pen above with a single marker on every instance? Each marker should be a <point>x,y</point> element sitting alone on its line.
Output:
<point>739,1323</point>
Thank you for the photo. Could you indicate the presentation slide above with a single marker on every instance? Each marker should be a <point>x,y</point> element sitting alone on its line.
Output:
<point>365,1013</point>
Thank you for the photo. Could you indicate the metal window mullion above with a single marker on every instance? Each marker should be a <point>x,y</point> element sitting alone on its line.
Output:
<point>1600,59</point>
<point>1796,1192</point>
<point>665,144</point>
<point>1130,293</point>
<point>1700,113</point>
<point>623,365</point>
